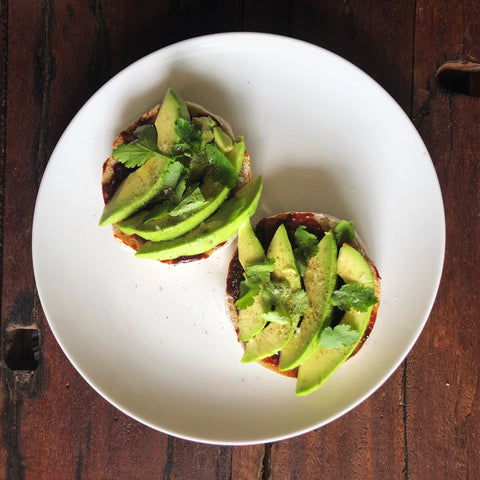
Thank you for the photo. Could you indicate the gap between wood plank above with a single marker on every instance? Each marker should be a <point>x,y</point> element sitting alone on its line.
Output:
<point>169,462</point>
<point>3,122</point>
<point>98,69</point>
<point>404,409</point>
<point>267,462</point>
<point>406,472</point>
<point>44,71</point>
<point>224,463</point>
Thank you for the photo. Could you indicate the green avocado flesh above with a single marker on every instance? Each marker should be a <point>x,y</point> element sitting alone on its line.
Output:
<point>205,125</point>
<point>172,108</point>
<point>169,227</point>
<point>222,140</point>
<point>250,252</point>
<point>320,280</point>
<point>274,336</point>
<point>352,268</point>
<point>136,191</point>
<point>216,229</point>
<point>179,198</point>
<point>297,343</point>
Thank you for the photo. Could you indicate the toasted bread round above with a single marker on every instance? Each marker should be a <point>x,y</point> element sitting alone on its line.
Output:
<point>316,223</point>
<point>114,172</point>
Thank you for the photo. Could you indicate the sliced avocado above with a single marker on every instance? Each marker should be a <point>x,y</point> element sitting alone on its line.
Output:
<point>223,141</point>
<point>218,228</point>
<point>250,321</point>
<point>136,191</point>
<point>250,252</point>
<point>274,336</point>
<point>168,227</point>
<point>205,125</point>
<point>320,279</point>
<point>236,155</point>
<point>280,249</point>
<point>172,107</point>
<point>353,268</point>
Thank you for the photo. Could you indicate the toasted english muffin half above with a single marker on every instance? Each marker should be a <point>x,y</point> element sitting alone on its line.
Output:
<point>316,223</point>
<point>114,172</point>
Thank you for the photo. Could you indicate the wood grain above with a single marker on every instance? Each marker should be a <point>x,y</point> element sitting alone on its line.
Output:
<point>4,444</point>
<point>375,36</point>
<point>370,441</point>
<point>443,381</point>
<point>19,191</point>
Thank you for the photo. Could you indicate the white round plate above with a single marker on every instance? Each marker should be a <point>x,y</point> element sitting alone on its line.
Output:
<point>154,339</point>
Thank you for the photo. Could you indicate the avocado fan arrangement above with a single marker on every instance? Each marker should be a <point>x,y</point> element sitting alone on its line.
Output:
<point>178,186</point>
<point>306,303</point>
<point>183,194</point>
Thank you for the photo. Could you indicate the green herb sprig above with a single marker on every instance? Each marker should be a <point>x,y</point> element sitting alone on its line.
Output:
<point>142,149</point>
<point>354,295</point>
<point>306,247</point>
<point>342,335</point>
<point>255,276</point>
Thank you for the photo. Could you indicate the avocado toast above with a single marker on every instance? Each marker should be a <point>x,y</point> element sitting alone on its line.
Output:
<point>302,295</point>
<point>174,175</point>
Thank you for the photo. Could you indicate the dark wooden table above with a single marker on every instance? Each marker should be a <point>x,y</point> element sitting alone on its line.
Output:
<point>423,423</point>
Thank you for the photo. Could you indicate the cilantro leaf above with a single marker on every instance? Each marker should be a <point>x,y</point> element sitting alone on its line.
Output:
<point>300,263</point>
<point>260,272</point>
<point>279,294</point>
<point>306,247</point>
<point>255,276</point>
<point>180,190</point>
<point>222,170</point>
<point>186,131</point>
<point>190,145</point>
<point>344,232</point>
<point>148,135</point>
<point>342,335</point>
<point>189,139</point>
<point>172,175</point>
<point>193,200</point>
<point>276,293</point>
<point>181,149</point>
<point>138,152</point>
<point>197,168</point>
<point>248,294</point>
<point>354,295</point>
<point>298,302</point>
<point>277,316</point>
<point>307,242</point>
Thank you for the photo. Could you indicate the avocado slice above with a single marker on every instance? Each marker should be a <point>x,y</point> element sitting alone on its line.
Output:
<point>222,140</point>
<point>205,125</point>
<point>320,279</point>
<point>274,336</point>
<point>280,249</point>
<point>216,229</point>
<point>353,268</point>
<point>250,252</point>
<point>169,227</point>
<point>136,191</point>
<point>172,108</point>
